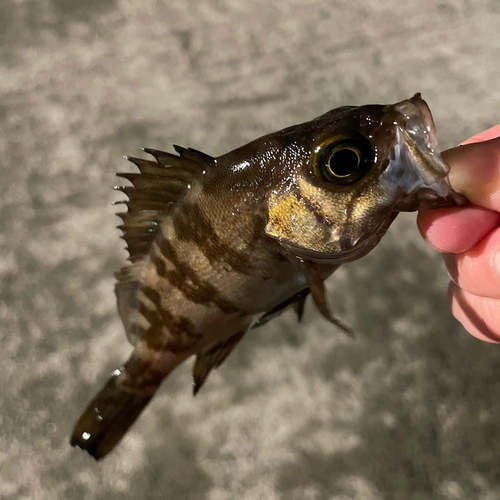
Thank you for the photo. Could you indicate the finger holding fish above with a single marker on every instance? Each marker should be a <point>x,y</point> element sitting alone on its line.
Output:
<point>456,229</point>
<point>470,236</point>
<point>475,172</point>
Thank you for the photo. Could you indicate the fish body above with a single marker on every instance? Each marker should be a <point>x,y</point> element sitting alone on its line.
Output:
<point>220,245</point>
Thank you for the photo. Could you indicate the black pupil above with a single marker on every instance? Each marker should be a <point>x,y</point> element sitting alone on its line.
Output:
<point>343,162</point>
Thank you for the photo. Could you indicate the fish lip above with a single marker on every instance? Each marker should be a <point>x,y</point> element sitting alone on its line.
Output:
<point>416,167</point>
<point>425,111</point>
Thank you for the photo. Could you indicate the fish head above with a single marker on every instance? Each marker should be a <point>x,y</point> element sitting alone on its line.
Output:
<point>355,169</point>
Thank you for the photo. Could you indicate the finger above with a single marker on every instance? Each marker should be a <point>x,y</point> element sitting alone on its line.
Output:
<point>478,270</point>
<point>491,133</point>
<point>475,172</point>
<point>479,316</point>
<point>456,230</point>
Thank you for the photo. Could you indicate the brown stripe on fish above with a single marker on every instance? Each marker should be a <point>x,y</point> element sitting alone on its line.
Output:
<point>150,315</point>
<point>259,226</point>
<point>313,208</point>
<point>192,225</point>
<point>185,338</point>
<point>185,279</point>
<point>183,333</point>
<point>150,310</point>
<point>153,295</point>
<point>315,201</point>
<point>159,264</point>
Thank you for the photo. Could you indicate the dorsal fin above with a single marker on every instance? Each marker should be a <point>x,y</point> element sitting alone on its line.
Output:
<point>153,194</point>
<point>193,154</point>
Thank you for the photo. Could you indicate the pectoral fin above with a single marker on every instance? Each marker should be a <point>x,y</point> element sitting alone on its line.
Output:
<point>317,288</point>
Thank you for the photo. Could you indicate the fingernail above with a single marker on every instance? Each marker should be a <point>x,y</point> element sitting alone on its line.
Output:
<point>450,259</point>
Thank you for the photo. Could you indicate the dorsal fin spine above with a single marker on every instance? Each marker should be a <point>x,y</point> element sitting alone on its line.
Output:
<point>153,194</point>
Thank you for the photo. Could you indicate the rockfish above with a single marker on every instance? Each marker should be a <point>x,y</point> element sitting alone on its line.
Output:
<point>219,246</point>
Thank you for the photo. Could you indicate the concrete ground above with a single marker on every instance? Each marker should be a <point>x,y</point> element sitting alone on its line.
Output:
<point>408,411</point>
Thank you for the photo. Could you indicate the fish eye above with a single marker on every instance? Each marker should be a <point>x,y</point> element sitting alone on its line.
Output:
<point>345,161</point>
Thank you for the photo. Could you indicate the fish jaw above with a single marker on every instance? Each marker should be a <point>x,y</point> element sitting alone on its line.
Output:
<point>416,167</point>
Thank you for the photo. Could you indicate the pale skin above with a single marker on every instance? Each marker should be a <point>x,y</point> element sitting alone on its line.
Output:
<point>469,237</point>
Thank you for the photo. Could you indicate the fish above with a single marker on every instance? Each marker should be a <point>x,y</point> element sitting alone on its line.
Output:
<point>221,245</point>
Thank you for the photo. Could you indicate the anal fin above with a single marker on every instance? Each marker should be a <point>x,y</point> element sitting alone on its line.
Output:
<point>211,358</point>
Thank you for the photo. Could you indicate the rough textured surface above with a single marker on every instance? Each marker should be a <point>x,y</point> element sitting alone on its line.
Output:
<point>409,411</point>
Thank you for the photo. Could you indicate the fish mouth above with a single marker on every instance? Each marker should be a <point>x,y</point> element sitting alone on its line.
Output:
<point>415,166</point>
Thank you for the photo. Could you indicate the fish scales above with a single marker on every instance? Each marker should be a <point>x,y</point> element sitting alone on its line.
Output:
<point>219,246</point>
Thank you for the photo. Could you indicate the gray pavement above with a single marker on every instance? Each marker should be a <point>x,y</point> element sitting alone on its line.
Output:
<point>408,411</point>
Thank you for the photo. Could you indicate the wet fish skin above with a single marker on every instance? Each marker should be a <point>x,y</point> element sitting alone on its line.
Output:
<point>218,245</point>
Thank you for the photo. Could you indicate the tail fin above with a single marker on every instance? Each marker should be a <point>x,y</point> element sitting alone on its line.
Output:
<point>109,416</point>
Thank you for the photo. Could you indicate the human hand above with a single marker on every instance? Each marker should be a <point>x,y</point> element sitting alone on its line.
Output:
<point>470,236</point>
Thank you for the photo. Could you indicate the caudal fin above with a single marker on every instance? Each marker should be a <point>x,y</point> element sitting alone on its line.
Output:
<point>109,416</point>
